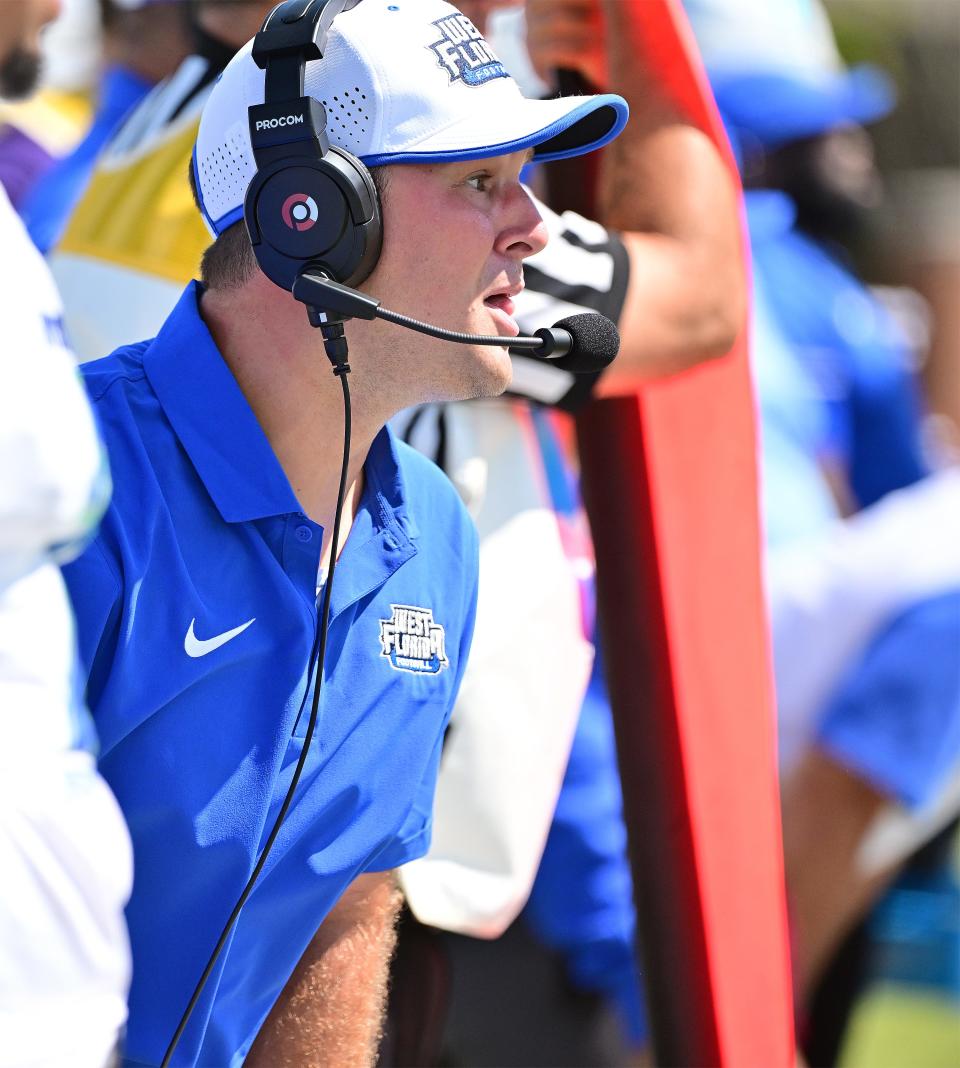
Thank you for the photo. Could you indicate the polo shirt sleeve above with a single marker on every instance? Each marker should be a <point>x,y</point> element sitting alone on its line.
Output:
<point>413,839</point>
<point>95,590</point>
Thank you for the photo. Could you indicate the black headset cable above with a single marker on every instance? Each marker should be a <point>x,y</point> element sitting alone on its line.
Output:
<point>341,370</point>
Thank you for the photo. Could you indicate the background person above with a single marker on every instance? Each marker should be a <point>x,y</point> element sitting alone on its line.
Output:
<point>64,850</point>
<point>143,42</point>
<point>868,763</point>
<point>869,683</point>
<point>134,238</point>
<point>38,130</point>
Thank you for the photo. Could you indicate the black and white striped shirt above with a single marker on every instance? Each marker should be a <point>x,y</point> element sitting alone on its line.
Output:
<point>584,268</point>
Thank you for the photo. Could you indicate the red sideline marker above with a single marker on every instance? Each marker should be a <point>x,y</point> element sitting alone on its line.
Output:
<point>687,651</point>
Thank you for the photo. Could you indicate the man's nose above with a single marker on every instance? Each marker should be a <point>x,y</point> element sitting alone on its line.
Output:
<point>524,232</point>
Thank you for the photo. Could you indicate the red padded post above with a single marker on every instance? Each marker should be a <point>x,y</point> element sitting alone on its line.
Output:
<point>670,480</point>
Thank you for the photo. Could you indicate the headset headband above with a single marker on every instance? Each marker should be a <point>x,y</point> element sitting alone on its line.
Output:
<point>309,204</point>
<point>293,33</point>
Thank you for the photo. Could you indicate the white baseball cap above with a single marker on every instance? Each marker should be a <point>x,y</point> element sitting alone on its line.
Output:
<point>402,81</point>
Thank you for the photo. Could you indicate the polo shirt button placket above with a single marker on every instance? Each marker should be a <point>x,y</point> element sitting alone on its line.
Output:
<point>302,556</point>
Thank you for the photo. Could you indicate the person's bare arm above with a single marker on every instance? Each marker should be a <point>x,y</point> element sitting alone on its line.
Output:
<point>233,23</point>
<point>663,185</point>
<point>827,811</point>
<point>330,1013</point>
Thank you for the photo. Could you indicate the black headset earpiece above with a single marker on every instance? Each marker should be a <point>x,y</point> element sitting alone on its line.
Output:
<point>310,204</point>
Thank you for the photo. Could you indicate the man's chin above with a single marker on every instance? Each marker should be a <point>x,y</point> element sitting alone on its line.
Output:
<point>19,74</point>
<point>495,371</point>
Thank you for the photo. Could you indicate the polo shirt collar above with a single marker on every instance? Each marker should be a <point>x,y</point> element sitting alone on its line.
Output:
<point>212,419</point>
<point>385,485</point>
<point>383,536</point>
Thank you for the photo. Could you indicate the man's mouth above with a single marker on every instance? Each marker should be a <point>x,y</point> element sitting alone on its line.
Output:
<point>501,306</point>
<point>501,301</point>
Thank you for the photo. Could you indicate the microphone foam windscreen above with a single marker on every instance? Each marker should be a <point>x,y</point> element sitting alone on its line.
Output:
<point>596,343</point>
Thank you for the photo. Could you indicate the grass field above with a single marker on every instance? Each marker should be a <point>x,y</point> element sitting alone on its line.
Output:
<point>897,1028</point>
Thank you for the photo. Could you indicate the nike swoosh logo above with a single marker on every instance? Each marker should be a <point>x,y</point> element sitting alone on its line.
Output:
<point>194,646</point>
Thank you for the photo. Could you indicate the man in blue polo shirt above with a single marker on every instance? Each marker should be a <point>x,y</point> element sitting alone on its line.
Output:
<point>197,602</point>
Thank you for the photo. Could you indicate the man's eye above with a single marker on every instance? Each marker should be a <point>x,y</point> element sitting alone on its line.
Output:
<point>480,182</point>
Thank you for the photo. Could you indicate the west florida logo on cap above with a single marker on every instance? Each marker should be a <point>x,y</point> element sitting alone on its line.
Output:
<point>412,641</point>
<point>463,52</point>
<point>299,211</point>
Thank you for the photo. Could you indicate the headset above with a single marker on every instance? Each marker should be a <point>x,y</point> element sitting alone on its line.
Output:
<point>313,212</point>
<point>310,204</point>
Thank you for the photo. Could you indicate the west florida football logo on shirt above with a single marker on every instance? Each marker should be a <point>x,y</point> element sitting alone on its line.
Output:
<point>412,641</point>
<point>463,52</point>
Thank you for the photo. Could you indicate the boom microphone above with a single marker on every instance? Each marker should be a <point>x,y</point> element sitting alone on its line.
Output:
<point>593,343</point>
<point>580,344</point>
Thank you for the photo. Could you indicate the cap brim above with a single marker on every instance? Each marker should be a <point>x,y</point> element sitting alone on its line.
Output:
<point>776,107</point>
<point>554,129</point>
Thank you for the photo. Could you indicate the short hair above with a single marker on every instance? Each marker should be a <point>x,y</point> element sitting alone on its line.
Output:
<point>230,262</point>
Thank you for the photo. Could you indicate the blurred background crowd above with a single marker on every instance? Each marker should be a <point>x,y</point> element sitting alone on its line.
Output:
<point>845,123</point>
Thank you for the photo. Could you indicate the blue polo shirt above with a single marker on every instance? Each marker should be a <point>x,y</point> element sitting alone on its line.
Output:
<point>196,614</point>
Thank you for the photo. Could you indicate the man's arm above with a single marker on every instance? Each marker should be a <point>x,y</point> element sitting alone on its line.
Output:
<point>663,185</point>
<point>330,1013</point>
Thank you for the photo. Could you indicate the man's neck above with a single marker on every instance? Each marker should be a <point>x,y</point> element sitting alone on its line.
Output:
<point>278,361</point>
